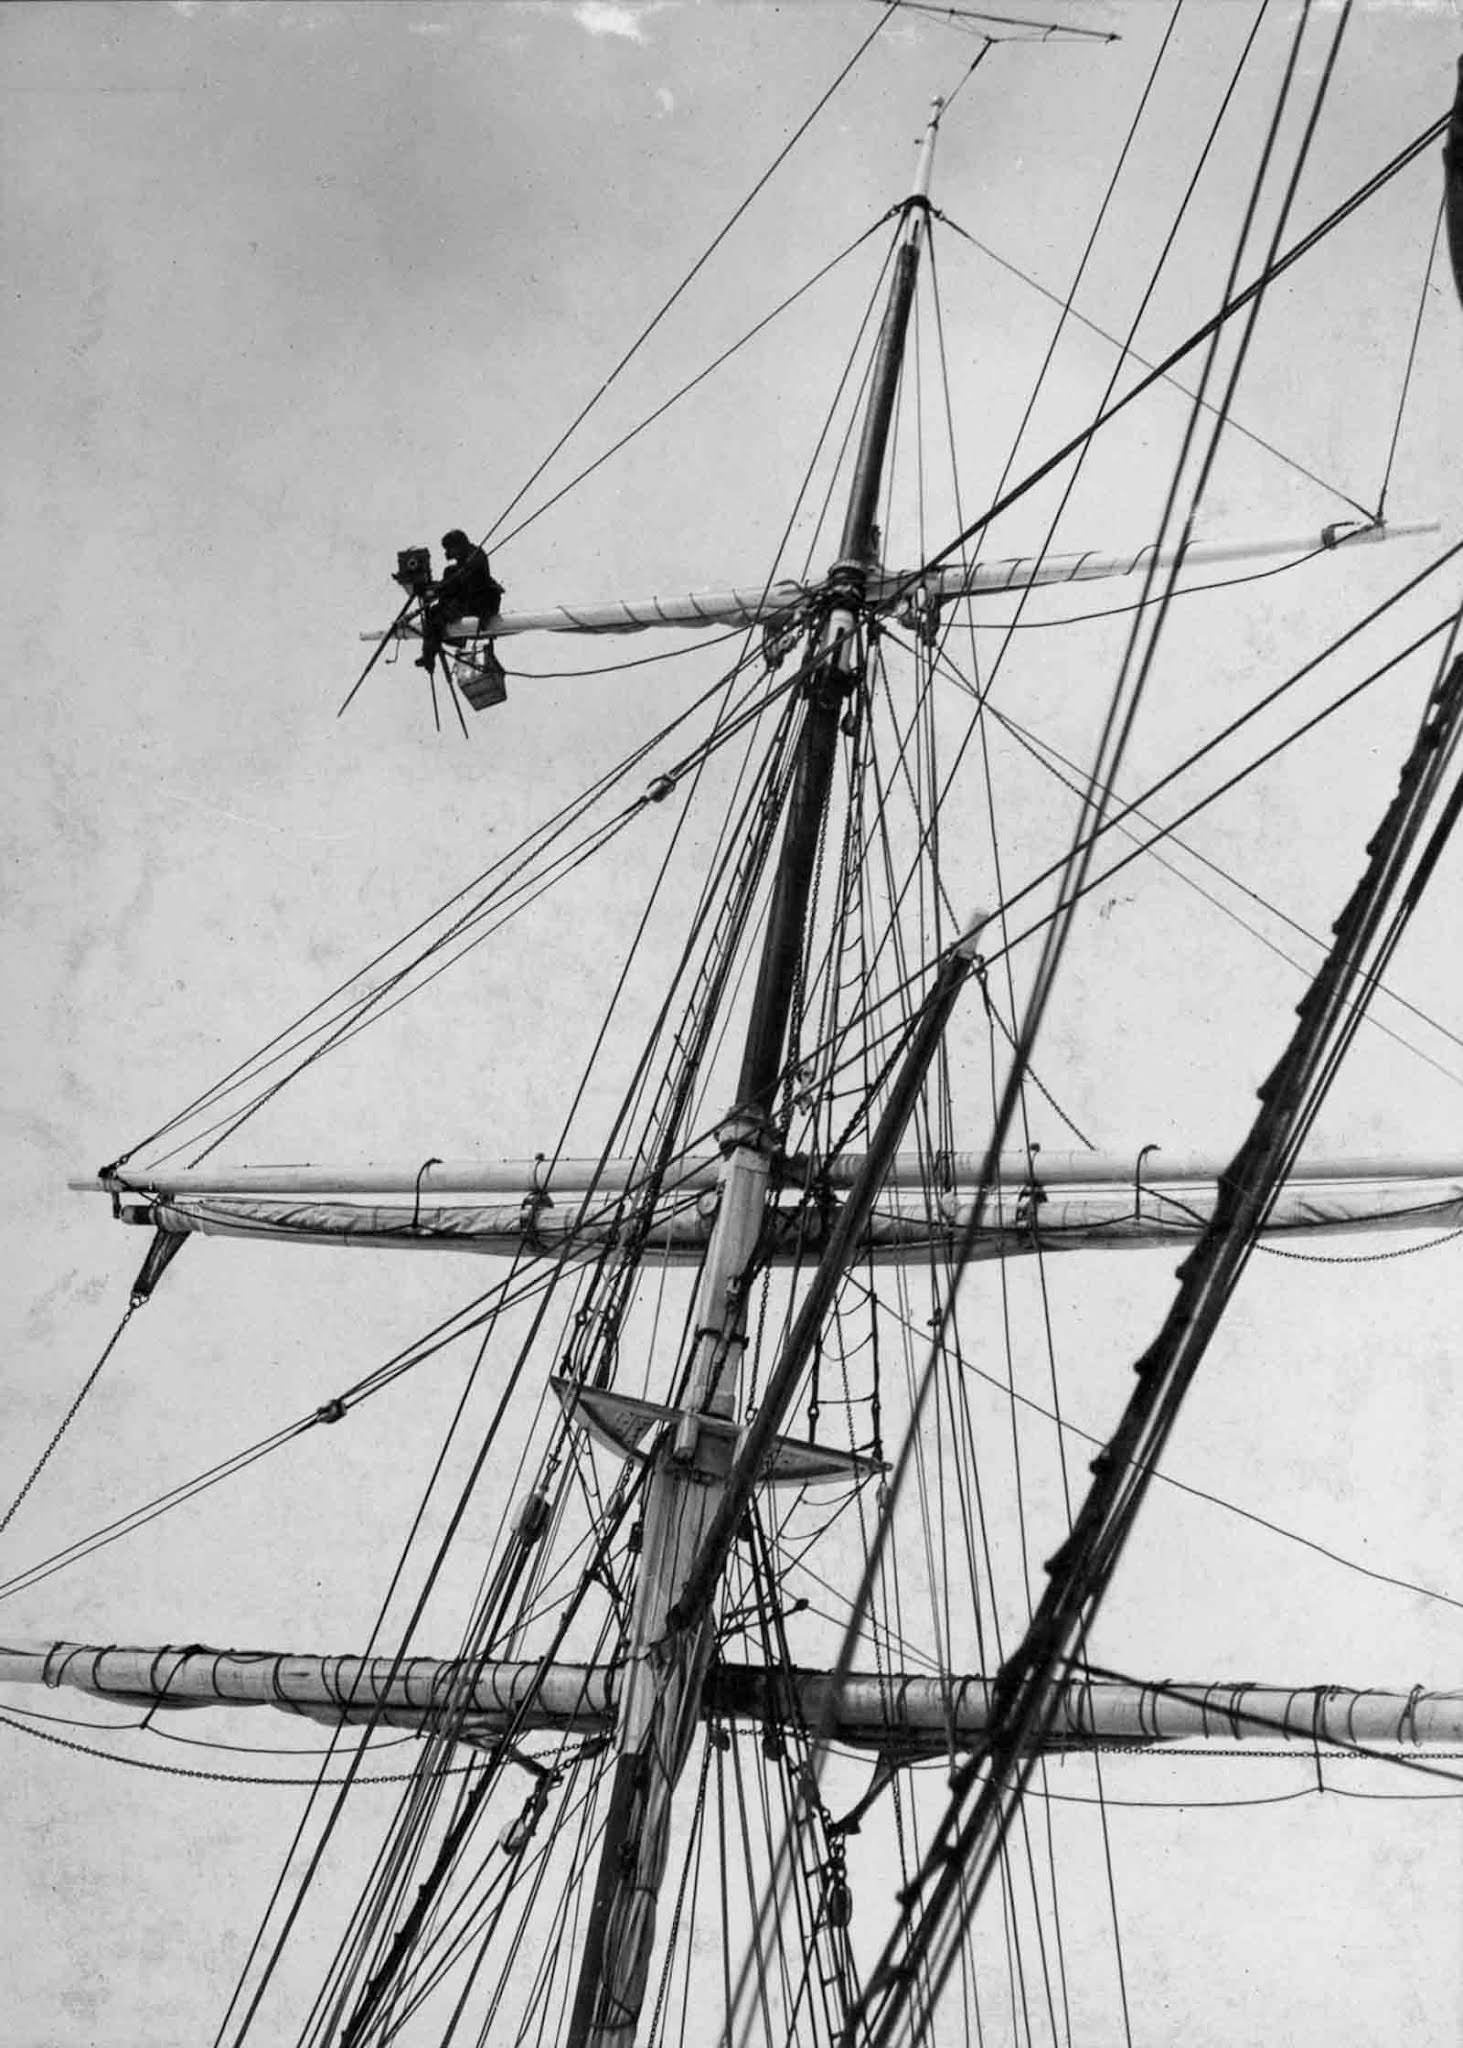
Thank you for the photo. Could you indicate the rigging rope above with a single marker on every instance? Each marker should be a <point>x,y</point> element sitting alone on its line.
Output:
<point>700,263</point>
<point>1255,289</point>
<point>1081,1572</point>
<point>467,928</point>
<point>690,385</point>
<point>1215,1500</point>
<point>1126,348</point>
<point>1427,278</point>
<point>1240,775</point>
<point>1127,809</point>
<point>943,1918</point>
<point>1040,749</point>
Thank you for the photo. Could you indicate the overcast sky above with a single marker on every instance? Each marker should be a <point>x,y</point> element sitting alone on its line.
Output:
<point>291,287</point>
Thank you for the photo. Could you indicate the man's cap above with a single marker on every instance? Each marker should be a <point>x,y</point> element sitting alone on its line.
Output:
<point>456,542</point>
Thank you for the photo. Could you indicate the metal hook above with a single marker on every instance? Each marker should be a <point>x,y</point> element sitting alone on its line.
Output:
<point>1138,1180</point>
<point>416,1207</point>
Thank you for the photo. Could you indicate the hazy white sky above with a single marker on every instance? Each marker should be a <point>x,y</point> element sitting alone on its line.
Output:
<point>293,286</point>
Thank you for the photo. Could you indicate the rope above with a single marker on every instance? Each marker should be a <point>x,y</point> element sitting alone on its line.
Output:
<point>955,1871</point>
<point>1070,312</point>
<point>690,385</point>
<point>645,333</point>
<point>1427,278</point>
<point>1272,271</point>
<point>67,1419</point>
<point>1040,749</point>
<point>1118,611</point>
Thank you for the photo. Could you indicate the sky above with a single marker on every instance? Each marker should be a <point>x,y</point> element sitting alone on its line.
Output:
<point>293,287</point>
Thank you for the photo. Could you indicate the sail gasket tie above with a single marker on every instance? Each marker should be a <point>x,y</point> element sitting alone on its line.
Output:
<point>1030,1199</point>
<point>1236,1709</point>
<point>1318,1709</point>
<point>536,1200</point>
<point>1407,1721</point>
<point>58,1679</point>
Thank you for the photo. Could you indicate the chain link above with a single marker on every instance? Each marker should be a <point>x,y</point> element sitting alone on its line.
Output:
<point>1403,1251</point>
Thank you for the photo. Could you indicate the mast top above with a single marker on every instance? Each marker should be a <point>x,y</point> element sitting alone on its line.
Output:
<point>920,191</point>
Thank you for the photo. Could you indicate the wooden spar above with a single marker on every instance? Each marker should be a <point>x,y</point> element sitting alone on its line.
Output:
<point>901,1229</point>
<point>667,1672</point>
<point>893,589</point>
<point>1150,1165</point>
<point>894,1712</point>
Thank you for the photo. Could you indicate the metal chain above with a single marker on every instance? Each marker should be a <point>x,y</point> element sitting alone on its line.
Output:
<point>1404,1251</point>
<point>67,1419</point>
<point>137,1763</point>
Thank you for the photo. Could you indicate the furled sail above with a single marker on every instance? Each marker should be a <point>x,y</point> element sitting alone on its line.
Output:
<point>907,1223</point>
<point>911,593</point>
<point>893,1712</point>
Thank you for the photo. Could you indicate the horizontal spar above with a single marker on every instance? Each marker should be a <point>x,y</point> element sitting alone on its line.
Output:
<point>1150,1165</point>
<point>902,1229</point>
<point>757,603</point>
<point>890,1712</point>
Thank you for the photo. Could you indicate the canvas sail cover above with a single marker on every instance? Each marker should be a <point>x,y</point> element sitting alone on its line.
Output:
<point>905,1227</point>
<point>912,592</point>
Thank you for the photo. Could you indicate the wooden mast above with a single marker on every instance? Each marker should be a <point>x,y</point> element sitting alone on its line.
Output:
<point>666,1671</point>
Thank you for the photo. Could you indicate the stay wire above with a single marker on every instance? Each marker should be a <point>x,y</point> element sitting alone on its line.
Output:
<point>1357,198</point>
<point>1139,657</point>
<point>690,385</point>
<point>1042,923</point>
<point>1046,755</point>
<point>891,1982</point>
<point>1083,1570</point>
<point>1236,724</point>
<point>1127,349</point>
<point>696,268</point>
<point>343,1786</point>
<point>1127,145</point>
<point>482,920</point>
<point>1361,194</point>
<point>973,19</point>
<point>1427,278</point>
<point>936,656</point>
<point>1231,782</point>
<point>558,822</point>
<point>1007,1106</point>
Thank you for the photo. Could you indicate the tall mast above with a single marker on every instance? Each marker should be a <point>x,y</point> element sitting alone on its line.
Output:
<point>666,1669</point>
